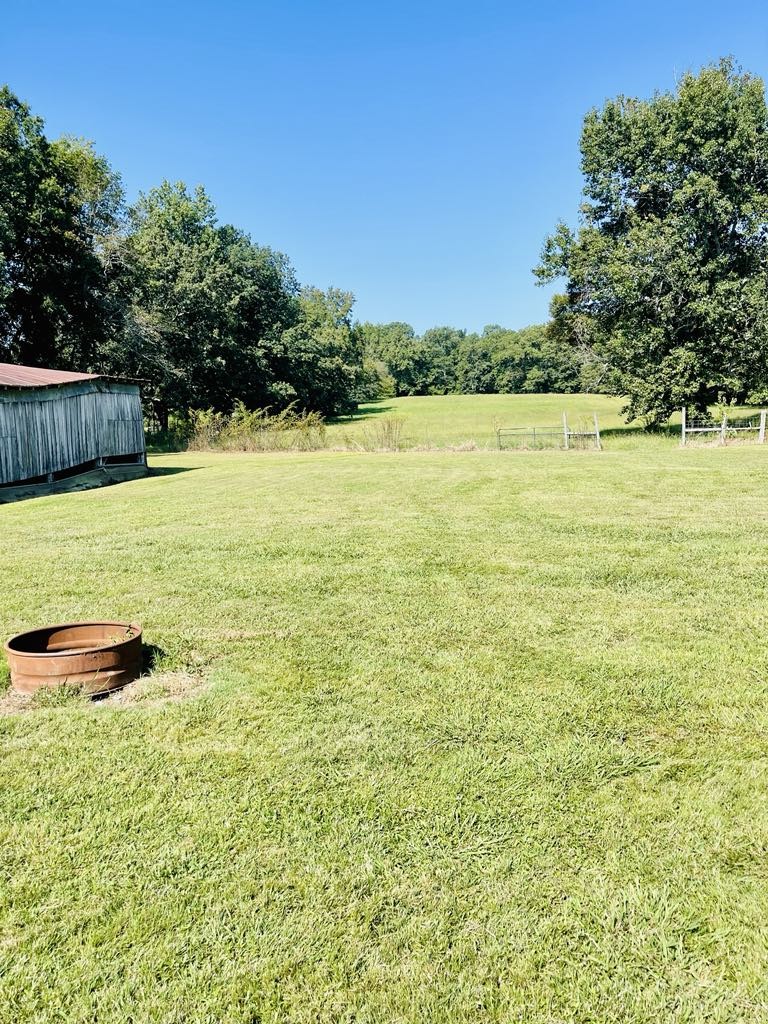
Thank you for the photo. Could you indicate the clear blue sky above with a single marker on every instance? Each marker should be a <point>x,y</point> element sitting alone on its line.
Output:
<point>414,153</point>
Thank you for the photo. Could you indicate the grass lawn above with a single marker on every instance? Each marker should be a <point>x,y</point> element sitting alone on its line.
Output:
<point>479,737</point>
<point>447,420</point>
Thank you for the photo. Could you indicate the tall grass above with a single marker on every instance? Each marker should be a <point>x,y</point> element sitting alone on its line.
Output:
<point>256,430</point>
<point>385,434</point>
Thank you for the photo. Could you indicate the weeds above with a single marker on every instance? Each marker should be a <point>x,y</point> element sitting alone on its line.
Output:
<point>256,430</point>
<point>57,696</point>
<point>384,435</point>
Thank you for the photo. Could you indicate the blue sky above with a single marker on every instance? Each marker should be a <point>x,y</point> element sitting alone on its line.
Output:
<point>413,153</point>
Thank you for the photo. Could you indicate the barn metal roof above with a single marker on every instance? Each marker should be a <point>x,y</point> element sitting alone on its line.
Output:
<point>12,376</point>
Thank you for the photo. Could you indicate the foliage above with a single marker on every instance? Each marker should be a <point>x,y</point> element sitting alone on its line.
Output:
<point>375,381</point>
<point>503,361</point>
<point>216,319</point>
<point>396,347</point>
<point>57,202</point>
<point>667,277</point>
<point>205,307</point>
<point>445,360</point>
<point>321,356</point>
<point>164,293</point>
<point>200,313</point>
<point>256,430</point>
<point>437,354</point>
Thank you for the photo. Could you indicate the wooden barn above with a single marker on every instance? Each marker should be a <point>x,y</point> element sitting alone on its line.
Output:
<point>62,430</point>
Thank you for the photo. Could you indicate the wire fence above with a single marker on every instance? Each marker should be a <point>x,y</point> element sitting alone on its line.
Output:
<point>709,430</point>
<point>555,438</point>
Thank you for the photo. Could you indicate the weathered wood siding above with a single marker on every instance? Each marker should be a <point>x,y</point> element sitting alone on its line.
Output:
<point>46,430</point>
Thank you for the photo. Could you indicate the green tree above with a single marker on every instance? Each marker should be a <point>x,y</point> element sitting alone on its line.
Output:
<point>321,365</point>
<point>394,345</point>
<point>503,361</point>
<point>58,201</point>
<point>531,361</point>
<point>439,346</point>
<point>418,365</point>
<point>204,309</point>
<point>667,276</point>
<point>375,381</point>
<point>474,370</point>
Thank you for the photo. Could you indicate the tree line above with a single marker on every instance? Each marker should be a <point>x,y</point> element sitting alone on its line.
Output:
<point>161,291</point>
<point>665,300</point>
<point>445,360</point>
<point>158,290</point>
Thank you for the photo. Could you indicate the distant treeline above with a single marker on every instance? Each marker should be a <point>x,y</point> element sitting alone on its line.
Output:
<point>160,290</point>
<point>665,278</point>
<point>445,360</point>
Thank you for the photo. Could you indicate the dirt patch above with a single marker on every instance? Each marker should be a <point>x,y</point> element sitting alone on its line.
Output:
<point>148,691</point>
<point>12,703</point>
<point>160,688</point>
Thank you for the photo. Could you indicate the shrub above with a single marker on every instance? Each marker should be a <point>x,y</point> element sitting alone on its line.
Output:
<point>256,430</point>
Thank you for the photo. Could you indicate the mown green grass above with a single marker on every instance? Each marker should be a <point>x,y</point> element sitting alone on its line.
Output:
<point>483,739</point>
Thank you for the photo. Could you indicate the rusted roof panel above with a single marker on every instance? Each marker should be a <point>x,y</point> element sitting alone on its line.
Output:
<point>12,376</point>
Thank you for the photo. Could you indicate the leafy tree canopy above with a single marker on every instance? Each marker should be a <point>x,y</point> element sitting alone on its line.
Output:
<point>667,282</point>
<point>446,360</point>
<point>203,315</point>
<point>57,202</point>
<point>322,353</point>
<point>161,291</point>
<point>205,308</point>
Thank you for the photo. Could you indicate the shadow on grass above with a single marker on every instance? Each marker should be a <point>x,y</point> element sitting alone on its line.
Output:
<point>667,431</point>
<point>151,656</point>
<point>360,415</point>
<point>171,470</point>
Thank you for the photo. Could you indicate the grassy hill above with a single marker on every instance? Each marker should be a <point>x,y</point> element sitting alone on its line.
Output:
<point>431,736</point>
<point>453,420</point>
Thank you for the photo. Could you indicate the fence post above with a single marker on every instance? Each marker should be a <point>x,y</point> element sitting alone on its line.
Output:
<point>684,425</point>
<point>598,445</point>
<point>722,428</point>
<point>498,437</point>
<point>565,430</point>
<point>761,435</point>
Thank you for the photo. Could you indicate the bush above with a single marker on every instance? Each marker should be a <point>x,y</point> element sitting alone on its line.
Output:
<point>256,430</point>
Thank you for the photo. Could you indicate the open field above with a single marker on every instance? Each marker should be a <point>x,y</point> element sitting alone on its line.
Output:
<point>467,737</point>
<point>440,421</point>
<point>445,420</point>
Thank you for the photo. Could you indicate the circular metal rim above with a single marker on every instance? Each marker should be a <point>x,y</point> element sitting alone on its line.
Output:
<point>10,649</point>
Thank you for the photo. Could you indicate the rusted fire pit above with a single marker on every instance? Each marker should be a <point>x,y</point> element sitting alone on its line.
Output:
<point>98,656</point>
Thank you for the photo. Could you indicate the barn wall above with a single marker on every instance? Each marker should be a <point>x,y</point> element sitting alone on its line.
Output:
<point>46,430</point>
